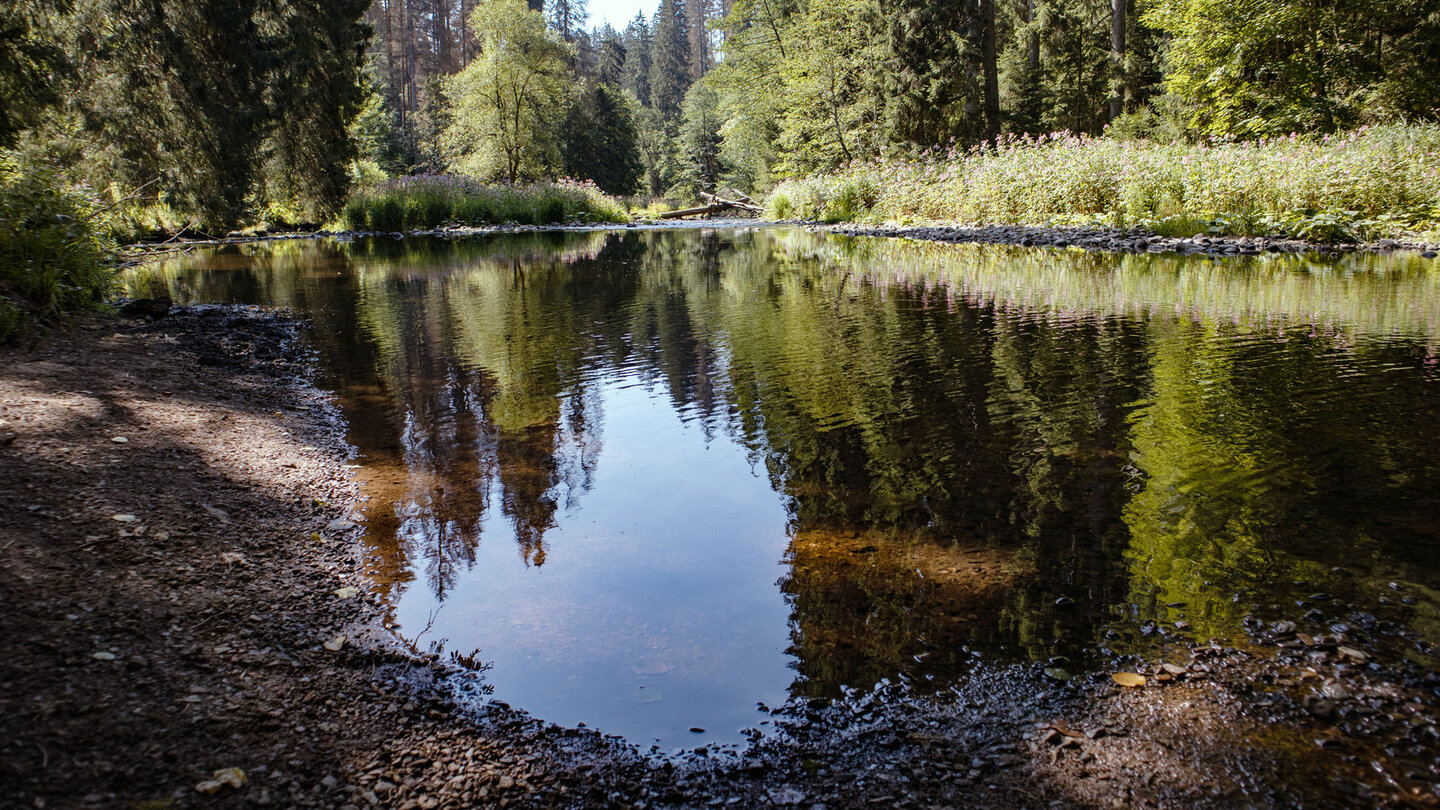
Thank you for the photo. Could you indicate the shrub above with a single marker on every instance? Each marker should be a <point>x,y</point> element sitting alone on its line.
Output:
<point>54,256</point>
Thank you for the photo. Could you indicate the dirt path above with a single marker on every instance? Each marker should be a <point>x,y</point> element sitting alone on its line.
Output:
<point>176,551</point>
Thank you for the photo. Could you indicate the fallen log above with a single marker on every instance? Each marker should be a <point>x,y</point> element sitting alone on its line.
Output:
<point>713,208</point>
<point>714,204</point>
<point>746,205</point>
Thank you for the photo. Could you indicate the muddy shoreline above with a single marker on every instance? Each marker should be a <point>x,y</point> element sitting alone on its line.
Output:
<point>168,602</point>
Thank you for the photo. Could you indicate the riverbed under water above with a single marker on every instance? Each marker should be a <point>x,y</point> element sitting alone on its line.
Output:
<point>661,479</point>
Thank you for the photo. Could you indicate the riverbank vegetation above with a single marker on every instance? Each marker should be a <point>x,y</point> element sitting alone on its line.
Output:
<point>53,251</point>
<point>432,201</point>
<point>1370,183</point>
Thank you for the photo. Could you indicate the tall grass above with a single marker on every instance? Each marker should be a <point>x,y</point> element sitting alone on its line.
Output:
<point>1374,182</point>
<point>54,253</point>
<point>432,201</point>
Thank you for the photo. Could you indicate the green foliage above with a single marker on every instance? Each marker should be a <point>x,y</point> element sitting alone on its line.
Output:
<point>375,137</point>
<point>205,99</point>
<point>832,106</point>
<point>31,60</point>
<point>426,202</point>
<point>928,74</point>
<point>658,151</point>
<point>54,257</point>
<point>700,140</point>
<point>509,102</point>
<point>1379,181</point>
<point>313,93</point>
<point>1270,67</point>
<point>610,71</point>
<point>600,141</point>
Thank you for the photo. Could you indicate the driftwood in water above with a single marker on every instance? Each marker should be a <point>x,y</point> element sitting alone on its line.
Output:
<point>714,205</point>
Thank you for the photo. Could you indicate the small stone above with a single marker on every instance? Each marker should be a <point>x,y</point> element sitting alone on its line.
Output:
<point>103,656</point>
<point>334,644</point>
<point>123,518</point>
<point>1353,654</point>
<point>119,439</point>
<point>1284,628</point>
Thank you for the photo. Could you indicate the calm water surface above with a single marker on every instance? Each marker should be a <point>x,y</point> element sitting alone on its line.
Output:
<point>658,477</point>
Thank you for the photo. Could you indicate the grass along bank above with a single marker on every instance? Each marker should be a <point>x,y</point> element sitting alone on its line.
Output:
<point>433,201</point>
<point>1376,182</point>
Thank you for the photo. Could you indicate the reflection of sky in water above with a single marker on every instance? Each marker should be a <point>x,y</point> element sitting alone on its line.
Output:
<point>656,477</point>
<point>655,609</point>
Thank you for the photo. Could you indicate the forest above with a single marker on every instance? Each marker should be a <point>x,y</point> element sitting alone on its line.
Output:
<point>126,120</point>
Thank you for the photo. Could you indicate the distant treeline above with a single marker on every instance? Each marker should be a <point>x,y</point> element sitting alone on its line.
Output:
<point>215,113</point>
<point>748,92</point>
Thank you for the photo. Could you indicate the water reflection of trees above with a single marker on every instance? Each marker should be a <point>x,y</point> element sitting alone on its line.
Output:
<point>977,447</point>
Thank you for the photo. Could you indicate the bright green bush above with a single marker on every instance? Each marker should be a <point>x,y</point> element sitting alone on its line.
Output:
<point>1374,182</point>
<point>432,201</point>
<point>54,257</point>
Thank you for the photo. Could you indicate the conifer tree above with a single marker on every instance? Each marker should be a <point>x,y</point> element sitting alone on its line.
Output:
<point>670,59</point>
<point>611,57</point>
<point>568,17</point>
<point>700,138</point>
<point>601,141</point>
<point>638,49</point>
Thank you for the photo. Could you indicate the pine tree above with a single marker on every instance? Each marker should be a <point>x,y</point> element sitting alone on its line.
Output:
<point>930,78</point>
<point>670,59</point>
<point>700,138</point>
<point>638,48</point>
<point>315,91</point>
<point>600,141</point>
<point>611,57</point>
<point>568,17</point>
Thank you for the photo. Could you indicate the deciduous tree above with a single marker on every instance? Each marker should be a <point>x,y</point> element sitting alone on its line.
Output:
<point>508,103</point>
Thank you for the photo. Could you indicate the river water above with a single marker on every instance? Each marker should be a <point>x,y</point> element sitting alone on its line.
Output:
<point>660,479</point>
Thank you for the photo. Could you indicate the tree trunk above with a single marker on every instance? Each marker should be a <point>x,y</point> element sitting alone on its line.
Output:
<point>1032,44</point>
<point>991,69</point>
<point>411,102</point>
<point>1117,58</point>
